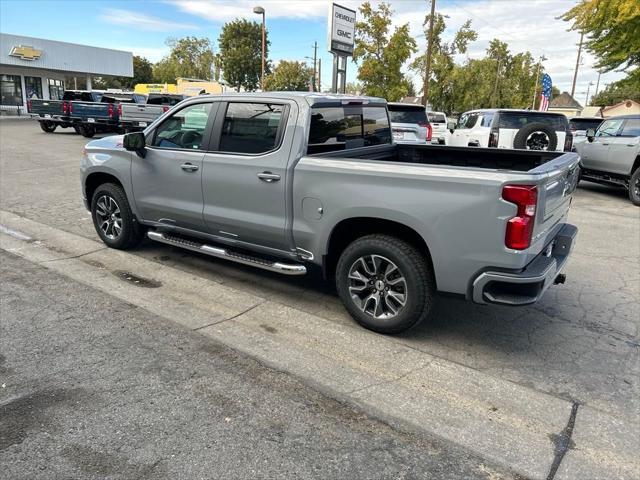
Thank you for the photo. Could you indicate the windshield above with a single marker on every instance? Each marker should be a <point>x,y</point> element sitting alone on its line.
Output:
<point>407,114</point>
<point>436,118</point>
<point>609,128</point>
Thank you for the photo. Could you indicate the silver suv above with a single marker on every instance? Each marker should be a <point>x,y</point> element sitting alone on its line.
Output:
<point>611,154</point>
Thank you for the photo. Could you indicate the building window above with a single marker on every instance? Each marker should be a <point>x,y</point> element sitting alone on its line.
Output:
<point>56,89</point>
<point>33,87</point>
<point>11,90</point>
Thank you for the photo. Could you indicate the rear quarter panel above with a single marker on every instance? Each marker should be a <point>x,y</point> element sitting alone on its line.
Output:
<point>457,211</point>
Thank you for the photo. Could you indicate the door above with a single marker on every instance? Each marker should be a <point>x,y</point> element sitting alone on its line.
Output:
<point>595,154</point>
<point>465,131</point>
<point>244,181</point>
<point>167,183</point>
<point>624,146</point>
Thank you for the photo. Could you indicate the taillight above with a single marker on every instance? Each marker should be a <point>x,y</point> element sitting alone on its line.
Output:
<point>568,142</point>
<point>70,108</point>
<point>520,227</point>
<point>429,130</point>
<point>65,108</point>
<point>29,106</point>
<point>165,109</point>
<point>119,109</point>
<point>110,110</point>
<point>494,137</point>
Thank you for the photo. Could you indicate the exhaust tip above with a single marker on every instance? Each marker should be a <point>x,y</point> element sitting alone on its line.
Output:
<point>560,279</point>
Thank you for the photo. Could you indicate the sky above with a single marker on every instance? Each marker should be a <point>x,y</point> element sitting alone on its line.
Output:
<point>143,26</point>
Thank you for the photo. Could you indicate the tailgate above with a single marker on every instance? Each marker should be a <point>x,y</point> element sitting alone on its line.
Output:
<point>140,113</point>
<point>90,110</point>
<point>555,191</point>
<point>408,132</point>
<point>46,107</point>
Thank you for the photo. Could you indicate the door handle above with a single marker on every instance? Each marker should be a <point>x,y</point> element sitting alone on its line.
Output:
<point>605,143</point>
<point>189,167</point>
<point>268,177</point>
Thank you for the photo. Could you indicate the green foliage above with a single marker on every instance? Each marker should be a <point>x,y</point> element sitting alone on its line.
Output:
<point>142,73</point>
<point>381,54</point>
<point>625,89</point>
<point>240,45</point>
<point>289,76</point>
<point>612,28</point>
<point>190,57</point>
<point>353,88</point>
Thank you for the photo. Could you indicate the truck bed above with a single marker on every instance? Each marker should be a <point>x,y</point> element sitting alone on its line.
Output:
<point>489,158</point>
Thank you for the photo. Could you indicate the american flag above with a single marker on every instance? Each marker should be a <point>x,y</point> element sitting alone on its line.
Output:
<point>545,95</point>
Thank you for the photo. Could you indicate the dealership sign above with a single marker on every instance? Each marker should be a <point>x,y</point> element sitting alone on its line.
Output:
<point>25,52</point>
<point>342,29</point>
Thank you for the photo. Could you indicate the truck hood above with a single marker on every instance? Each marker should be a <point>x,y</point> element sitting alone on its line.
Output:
<point>114,141</point>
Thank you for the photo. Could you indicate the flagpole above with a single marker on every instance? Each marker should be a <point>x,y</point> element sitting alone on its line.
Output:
<point>535,87</point>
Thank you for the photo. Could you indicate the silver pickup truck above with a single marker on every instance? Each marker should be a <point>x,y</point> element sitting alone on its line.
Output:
<point>138,116</point>
<point>291,181</point>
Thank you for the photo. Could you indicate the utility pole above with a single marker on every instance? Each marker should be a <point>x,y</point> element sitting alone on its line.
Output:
<point>495,85</point>
<point>535,87</point>
<point>586,101</point>
<point>427,72</point>
<point>315,70</point>
<point>575,73</point>
<point>320,75</point>
<point>597,83</point>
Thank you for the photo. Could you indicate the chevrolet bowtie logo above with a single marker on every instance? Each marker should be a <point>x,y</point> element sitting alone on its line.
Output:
<point>26,52</point>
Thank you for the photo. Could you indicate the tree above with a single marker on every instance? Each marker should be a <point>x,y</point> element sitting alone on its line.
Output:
<point>613,31</point>
<point>142,73</point>
<point>626,89</point>
<point>353,88</point>
<point>289,76</point>
<point>190,57</point>
<point>240,46</point>
<point>382,54</point>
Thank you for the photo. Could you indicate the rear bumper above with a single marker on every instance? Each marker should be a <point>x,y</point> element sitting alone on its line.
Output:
<point>526,286</point>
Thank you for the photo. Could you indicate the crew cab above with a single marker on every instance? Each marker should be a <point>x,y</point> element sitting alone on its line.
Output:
<point>611,154</point>
<point>510,128</point>
<point>294,181</point>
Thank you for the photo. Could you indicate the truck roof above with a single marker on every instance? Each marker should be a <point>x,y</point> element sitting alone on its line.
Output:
<point>312,98</point>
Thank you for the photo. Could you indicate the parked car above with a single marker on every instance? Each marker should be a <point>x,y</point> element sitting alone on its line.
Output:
<point>409,123</point>
<point>291,181</point>
<point>439,130</point>
<point>611,154</point>
<point>135,116</point>
<point>508,128</point>
<point>57,113</point>
<point>579,127</point>
<point>100,116</point>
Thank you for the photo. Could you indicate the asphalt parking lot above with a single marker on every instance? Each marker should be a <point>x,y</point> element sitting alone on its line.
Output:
<point>578,349</point>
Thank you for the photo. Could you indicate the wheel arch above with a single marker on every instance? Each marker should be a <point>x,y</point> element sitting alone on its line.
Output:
<point>350,229</point>
<point>636,165</point>
<point>95,179</point>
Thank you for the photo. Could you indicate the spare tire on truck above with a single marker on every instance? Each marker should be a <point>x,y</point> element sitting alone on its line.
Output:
<point>46,126</point>
<point>536,136</point>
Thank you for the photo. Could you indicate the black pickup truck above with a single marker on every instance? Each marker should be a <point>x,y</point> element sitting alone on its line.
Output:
<point>57,113</point>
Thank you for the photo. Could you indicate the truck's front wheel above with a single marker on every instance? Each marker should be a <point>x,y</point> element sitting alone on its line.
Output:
<point>385,283</point>
<point>634,187</point>
<point>113,219</point>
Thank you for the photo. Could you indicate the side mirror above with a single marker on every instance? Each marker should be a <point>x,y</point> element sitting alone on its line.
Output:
<point>135,142</point>
<point>451,126</point>
<point>591,133</point>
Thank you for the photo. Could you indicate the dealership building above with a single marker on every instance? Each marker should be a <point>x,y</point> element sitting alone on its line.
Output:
<point>37,68</point>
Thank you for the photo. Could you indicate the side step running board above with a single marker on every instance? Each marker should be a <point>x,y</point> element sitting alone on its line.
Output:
<point>285,268</point>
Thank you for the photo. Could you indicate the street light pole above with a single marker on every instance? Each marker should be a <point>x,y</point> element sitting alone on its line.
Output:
<point>260,11</point>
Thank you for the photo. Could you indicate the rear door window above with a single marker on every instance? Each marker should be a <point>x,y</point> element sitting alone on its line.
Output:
<point>631,128</point>
<point>408,114</point>
<point>342,128</point>
<point>487,119</point>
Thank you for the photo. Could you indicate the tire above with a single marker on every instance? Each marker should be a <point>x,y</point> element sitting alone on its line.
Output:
<point>77,129</point>
<point>536,136</point>
<point>48,127</point>
<point>634,187</point>
<point>108,205</point>
<point>87,131</point>
<point>373,306</point>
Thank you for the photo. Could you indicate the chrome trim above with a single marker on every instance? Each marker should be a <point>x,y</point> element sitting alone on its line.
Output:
<point>279,267</point>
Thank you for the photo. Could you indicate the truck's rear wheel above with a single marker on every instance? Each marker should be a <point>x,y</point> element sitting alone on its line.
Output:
<point>634,187</point>
<point>385,283</point>
<point>113,219</point>
<point>48,127</point>
<point>87,131</point>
